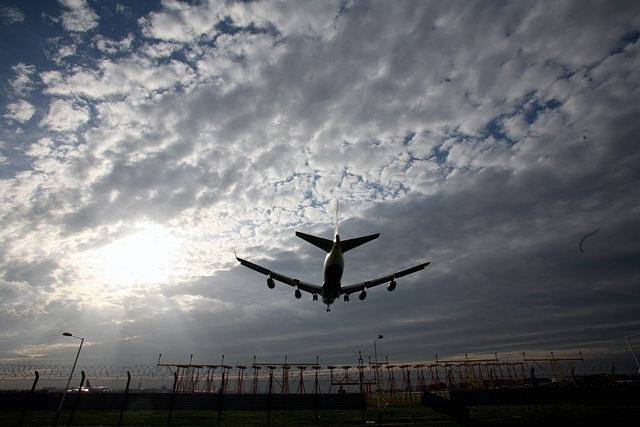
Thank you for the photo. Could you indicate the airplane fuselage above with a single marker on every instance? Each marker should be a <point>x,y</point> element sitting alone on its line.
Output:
<point>332,273</point>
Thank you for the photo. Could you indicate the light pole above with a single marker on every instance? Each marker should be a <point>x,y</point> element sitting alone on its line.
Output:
<point>631,348</point>
<point>375,355</point>
<point>64,394</point>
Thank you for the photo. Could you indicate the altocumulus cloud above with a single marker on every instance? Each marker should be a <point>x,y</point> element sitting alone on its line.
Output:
<point>142,145</point>
<point>20,111</point>
<point>65,116</point>
<point>78,16</point>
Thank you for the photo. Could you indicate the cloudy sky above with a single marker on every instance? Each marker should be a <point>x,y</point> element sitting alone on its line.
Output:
<point>143,142</point>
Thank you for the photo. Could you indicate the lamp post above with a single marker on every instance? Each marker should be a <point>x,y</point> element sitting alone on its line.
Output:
<point>64,394</point>
<point>375,354</point>
<point>631,348</point>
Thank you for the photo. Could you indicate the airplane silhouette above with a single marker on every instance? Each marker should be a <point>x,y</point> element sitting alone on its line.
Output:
<point>332,288</point>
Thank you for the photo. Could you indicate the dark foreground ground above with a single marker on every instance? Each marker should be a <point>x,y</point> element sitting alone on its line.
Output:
<point>391,416</point>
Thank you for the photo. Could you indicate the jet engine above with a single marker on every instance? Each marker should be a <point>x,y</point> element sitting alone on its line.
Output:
<point>391,286</point>
<point>298,294</point>
<point>362,295</point>
<point>270,283</point>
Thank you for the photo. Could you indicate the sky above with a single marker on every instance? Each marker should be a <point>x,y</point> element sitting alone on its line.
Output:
<point>143,143</point>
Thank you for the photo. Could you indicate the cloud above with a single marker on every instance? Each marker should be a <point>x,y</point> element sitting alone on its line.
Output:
<point>23,84</point>
<point>12,15</point>
<point>18,298</point>
<point>20,111</point>
<point>41,148</point>
<point>134,76</point>
<point>178,21</point>
<point>200,303</point>
<point>79,17</point>
<point>65,116</point>
<point>486,139</point>
<point>113,47</point>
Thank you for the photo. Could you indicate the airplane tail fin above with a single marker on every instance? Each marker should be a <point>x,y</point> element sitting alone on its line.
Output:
<point>337,218</point>
<point>324,244</point>
<point>345,245</point>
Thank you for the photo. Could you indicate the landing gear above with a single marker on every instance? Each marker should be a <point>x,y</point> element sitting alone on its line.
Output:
<point>328,309</point>
<point>315,297</point>
<point>346,297</point>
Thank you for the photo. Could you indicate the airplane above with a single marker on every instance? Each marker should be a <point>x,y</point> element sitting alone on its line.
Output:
<point>96,389</point>
<point>332,288</point>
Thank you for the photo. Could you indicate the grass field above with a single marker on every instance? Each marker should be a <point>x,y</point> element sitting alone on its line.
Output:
<point>391,415</point>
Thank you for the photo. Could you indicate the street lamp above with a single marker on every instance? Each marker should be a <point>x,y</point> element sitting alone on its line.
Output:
<point>631,348</point>
<point>375,354</point>
<point>68,334</point>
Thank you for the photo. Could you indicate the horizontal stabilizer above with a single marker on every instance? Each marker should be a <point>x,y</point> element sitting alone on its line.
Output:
<point>324,244</point>
<point>354,243</point>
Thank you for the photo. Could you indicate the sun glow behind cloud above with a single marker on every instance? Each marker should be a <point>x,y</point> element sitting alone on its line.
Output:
<point>146,257</point>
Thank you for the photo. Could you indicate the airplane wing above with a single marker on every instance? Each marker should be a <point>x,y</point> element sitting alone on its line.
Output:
<point>303,286</point>
<point>381,280</point>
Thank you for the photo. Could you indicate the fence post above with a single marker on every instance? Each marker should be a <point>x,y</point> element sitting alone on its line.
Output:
<point>173,396</point>
<point>361,391</point>
<point>493,387</point>
<point>27,403</point>
<point>75,405</point>
<point>220,397</point>
<point>532,387</point>
<point>124,399</point>
<point>410,395</point>
<point>269,398</point>
<point>315,397</point>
